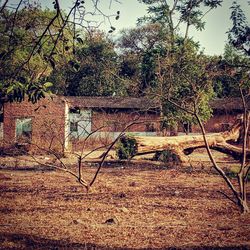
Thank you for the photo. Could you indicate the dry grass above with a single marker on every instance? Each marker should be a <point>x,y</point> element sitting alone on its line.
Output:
<point>128,207</point>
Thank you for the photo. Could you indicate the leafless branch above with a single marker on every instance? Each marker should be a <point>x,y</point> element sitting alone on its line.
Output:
<point>3,6</point>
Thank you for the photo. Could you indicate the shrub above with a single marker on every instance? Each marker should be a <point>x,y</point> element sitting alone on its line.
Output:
<point>167,156</point>
<point>127,148</point>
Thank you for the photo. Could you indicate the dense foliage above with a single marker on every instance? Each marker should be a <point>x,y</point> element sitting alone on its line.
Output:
<point>40,51</point>
<point>26,59</point>
<point>92,71</point>
<point>127,148</point>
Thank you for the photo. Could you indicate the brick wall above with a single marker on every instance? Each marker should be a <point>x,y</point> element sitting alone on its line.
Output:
<point>218,122</point>
<point>48,123</point>
<point>117,121</point>
<point>108,125</point>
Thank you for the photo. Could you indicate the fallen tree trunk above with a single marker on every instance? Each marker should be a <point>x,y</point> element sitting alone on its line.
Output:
<point>186,144</point>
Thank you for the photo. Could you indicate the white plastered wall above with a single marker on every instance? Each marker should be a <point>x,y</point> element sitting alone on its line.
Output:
<point>66,133</point>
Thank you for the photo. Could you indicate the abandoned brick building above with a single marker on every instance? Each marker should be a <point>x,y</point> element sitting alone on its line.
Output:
<point>58,122</point>
<point>55,122</point>
<point>225,112</point>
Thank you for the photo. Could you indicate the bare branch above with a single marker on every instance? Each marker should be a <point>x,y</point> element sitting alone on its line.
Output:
<point>3,6</point>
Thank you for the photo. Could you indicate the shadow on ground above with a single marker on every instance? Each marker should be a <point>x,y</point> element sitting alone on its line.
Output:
<point>23,241</point>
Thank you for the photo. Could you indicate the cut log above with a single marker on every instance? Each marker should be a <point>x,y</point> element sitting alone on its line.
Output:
<point>186,144</point>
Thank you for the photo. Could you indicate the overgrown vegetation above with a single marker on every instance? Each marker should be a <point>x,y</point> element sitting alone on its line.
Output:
<point>167,156</point>
<point>126,148</point>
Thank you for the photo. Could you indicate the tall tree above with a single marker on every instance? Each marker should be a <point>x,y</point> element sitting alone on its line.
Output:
<point>185,76</point>
<point>173,14</point>
<point>180,69</point>
<point>239,37</point>
<point>44,46</point>
<point>140,47</point>
<point>239,34</point>
<point>22,70</point>
<point>232,69</point>
<point>95,69</point>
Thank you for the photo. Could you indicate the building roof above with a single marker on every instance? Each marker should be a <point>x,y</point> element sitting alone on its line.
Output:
<point>143,103</point>
<point>229,104</point>
<point>111,102</point>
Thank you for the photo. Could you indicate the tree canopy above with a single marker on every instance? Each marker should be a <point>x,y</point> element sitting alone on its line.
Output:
<point>35,41</point>
<point>95,69</point>
<point>22,69</point>
<point>62,51</point>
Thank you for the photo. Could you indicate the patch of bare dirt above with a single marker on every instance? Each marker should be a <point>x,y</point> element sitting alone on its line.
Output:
<point>129,207</point>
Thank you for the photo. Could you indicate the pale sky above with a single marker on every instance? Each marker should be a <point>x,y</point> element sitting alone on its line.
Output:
<point>212,39</point>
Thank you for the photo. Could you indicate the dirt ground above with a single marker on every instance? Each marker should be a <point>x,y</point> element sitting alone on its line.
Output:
<point>129,207</point>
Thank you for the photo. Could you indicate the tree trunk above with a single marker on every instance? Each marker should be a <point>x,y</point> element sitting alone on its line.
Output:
<point>186,144</point>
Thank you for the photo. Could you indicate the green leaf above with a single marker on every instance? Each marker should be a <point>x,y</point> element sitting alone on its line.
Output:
<point>10,89</point>
<point>47,85</point>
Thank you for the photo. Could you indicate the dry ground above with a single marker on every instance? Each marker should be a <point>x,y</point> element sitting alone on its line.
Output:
<point>128,207</point>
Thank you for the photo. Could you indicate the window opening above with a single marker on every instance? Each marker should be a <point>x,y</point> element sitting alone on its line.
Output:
<point>23,129</point>
<point>73,126</point>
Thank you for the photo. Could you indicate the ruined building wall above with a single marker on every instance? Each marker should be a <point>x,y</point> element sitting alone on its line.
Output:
<point>46,119</point>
